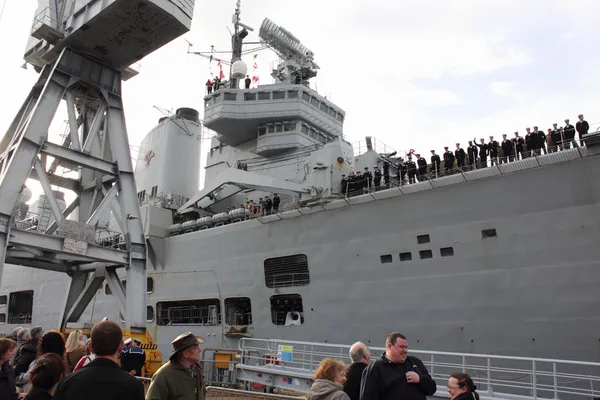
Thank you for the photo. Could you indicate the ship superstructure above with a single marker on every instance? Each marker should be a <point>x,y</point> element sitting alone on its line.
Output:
<point>458,263</point>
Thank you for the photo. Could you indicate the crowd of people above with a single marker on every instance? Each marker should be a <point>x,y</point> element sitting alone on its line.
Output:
<point>72,370</point>
<point>395,375</point>
<point>477,155</point>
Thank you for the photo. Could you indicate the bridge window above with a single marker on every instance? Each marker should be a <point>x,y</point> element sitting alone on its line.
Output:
<point>189,312</point>
<point>340,117</point>
<point>230,96</point>
<point>279,127</point>
<point>314,101</point>
<point>264,95</point>
<point>386,258</point>
<point>279,95</point>
<point>262,130</point>
<point>305,129</point>
<point>3,300</point>
<point>149,313</point>
<point>488,233</point>
<point>324,108</point>
<point>2,318</point>
<point>332,112</point>
<point>306,97</point>
<point>270,128</point>
<point>292,94</point>
<point>422,239</point>
<point>20,307</point>
<point>287,271</point>
<point>424,254</point>
<point>287,310</point>
<point>406,256</point>
<point>238,311</point>
<point>447,251</point>
<point>289,126</point>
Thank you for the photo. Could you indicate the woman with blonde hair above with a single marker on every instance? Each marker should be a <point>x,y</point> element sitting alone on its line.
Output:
<point>75,348</point>
<point>329,378</point>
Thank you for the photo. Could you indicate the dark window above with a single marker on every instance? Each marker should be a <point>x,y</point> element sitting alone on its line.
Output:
<point>286,309</point>
<point>304,129</point>
<point>324,108</point>
<point>262,130</point>
<point>189,312</point>
<point>2,318</point>
<point>488,233</point>
<point>3,300</point>
<point>287,271</point>
<point>149,284</point>
<point>271,128</point>
<point>278,127</point>
<point>421,239</point>
<point>292,94</point>
<point>20,307</point>
<point>406,256</point>
<point>238,311</point>
<point>149,314</point>
<point>305,96</point>
<point>154,191</point>
<point>315,102</point>
<point>340,117</point>
<point>264,95</point>
<point>447,251</point>
<point>279,95</point>
<point>289,126</point>
<point>230,96</point>
<point>332,112</point>
<point>107,290</point>
<point>386,258</point>
<point>425,254</point>
<point>249,96</point>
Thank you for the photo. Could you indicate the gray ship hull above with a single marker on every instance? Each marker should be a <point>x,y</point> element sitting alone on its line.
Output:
<point>532,290</point>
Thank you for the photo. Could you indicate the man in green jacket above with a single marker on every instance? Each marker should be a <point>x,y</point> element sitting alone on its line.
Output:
<point>181,377</point>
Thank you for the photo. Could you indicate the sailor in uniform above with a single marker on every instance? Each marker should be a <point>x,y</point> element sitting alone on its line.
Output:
<point>133,357</point>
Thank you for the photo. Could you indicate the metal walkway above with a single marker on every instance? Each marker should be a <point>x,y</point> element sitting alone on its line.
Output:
<point>291,365</point>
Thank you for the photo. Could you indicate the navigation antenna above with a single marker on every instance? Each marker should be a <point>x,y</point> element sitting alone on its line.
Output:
<point>83,57</point>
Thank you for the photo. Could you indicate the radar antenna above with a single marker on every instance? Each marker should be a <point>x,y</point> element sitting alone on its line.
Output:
<point>297,61</point>
<point>83,57</point>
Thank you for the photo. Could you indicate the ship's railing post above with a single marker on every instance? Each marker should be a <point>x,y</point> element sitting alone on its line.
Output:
<point>432,366</point>
<point>533,380</point>
<point>489,374</point>
<point>555,380</point>
<point>464,364</point>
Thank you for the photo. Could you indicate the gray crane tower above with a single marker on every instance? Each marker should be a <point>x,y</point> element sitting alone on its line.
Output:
<point>83,50</point>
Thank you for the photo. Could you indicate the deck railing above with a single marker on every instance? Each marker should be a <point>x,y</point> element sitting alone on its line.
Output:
<point>495,376</point>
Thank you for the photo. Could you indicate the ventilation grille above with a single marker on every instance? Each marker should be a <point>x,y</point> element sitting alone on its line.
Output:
<point>287,271</point>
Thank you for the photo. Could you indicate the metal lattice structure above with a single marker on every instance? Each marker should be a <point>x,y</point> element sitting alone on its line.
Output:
<point>83,50</point>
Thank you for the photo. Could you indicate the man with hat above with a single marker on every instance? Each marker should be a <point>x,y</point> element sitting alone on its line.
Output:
<point>133,357</point>
<point>569,132</point>
<point>582,128</point>
<point>181,377</point>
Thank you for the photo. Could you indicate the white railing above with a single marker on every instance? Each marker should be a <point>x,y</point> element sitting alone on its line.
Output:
<point>513,376</point>
<point>361,147</point>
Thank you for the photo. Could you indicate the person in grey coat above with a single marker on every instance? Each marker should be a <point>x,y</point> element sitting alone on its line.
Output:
<point>329,378</point>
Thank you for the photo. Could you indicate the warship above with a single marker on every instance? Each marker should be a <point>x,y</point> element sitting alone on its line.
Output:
<point>497,260</point>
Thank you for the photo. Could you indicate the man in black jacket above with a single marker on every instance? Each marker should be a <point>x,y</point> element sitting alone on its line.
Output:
<point>582,128</point>
<point>396,375</point>
<point>360,356</point>
<point>102,378</point>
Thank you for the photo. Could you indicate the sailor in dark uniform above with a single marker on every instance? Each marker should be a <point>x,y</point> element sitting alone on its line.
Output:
<point>541,140</point>
<point>411,169</point>
<point>472,152</point>
<point>435,165</point>
<point>507,150</point>
<point>460,155</point>
<point>569,132</point>
<point>344,184</point>
<point>519,146</point>
<point>483,151</point>
<point>368,179</point>
<point>386,173</point>
<point>422,167</point>
<point>133,357</point>
<point>557,136</point>
<point>530,143</point>
<point>493,151</point>
<point>377,177</point>
<point>582,128</point>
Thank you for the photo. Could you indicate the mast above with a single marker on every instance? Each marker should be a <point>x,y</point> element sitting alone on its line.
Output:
<point>240,31</point>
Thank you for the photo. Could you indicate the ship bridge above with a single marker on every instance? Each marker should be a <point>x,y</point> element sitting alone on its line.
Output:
<point>279,117</point>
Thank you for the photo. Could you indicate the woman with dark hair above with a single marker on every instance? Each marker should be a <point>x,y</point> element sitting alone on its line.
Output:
<point>49,369</point>
<point>51,342</point>
<point>8,390</point>
<point>461,387</point>
<point>329,378</point>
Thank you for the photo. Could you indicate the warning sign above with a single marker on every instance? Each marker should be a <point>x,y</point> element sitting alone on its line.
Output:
<point>285,353</point>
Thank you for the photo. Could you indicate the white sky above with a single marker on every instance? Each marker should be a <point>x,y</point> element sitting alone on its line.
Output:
<point>415,74</point>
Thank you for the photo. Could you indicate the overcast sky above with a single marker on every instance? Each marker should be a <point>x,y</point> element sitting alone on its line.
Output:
<point>416,74</point>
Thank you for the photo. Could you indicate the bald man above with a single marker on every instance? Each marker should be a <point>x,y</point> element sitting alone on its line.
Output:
<point>360,356</point>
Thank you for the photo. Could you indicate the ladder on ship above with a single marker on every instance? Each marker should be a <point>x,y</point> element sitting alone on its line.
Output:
<point>286,364</point>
